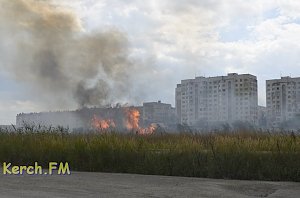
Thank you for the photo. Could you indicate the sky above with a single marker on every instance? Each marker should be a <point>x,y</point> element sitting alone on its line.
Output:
<point>181,39</point>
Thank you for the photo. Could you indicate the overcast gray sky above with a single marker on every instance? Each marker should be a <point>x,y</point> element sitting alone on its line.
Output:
<point>179,39</point>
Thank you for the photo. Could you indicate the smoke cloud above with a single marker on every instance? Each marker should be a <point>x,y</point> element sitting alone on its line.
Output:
<point>46,47</point>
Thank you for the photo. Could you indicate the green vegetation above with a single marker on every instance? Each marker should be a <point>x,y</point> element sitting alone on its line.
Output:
<point>234,155</point>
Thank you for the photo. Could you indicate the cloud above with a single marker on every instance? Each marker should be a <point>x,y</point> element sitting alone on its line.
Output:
<point>10,108</point>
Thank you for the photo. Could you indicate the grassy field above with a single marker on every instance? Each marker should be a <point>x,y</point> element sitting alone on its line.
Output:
<point>235,155</point>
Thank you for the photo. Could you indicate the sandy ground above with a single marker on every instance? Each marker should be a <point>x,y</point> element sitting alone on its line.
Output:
<point>80,184</point>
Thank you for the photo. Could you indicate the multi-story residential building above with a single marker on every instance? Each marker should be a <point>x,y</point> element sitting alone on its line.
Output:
<point>217,99</point>
<point>159,113</point>
<point>151,112</point>
<point>283,100</point>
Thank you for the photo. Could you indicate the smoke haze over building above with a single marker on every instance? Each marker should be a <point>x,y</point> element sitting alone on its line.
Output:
<point>55,57</point>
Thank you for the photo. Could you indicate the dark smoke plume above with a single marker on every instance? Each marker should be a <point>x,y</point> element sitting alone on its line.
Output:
<point>45,46</point>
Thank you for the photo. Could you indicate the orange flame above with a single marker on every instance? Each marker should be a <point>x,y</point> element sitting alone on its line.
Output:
<point>100,124</point>
<point>147,131</point>
<point>132,122</point>
<point>132,118</point>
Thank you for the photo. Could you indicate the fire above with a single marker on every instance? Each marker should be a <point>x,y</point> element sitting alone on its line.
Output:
<point>132,122</point>
<point>147,131</point>
<point>132,118</point>
<point>102,124</point>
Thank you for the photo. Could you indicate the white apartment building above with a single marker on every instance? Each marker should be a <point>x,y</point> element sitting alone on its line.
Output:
<point>217,99</point>
<point>283,100</point>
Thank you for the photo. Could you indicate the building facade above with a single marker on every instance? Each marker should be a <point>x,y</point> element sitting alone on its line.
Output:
<point>217,99</point>
<point>159,113</point>
<point>150,113</point>
<point>283,100</point>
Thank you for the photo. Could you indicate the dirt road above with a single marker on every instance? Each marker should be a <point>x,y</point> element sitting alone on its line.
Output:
<point>80,184</point>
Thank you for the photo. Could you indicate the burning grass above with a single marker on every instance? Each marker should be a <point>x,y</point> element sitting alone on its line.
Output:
<point>238,155</point>
<point>131,119</point>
